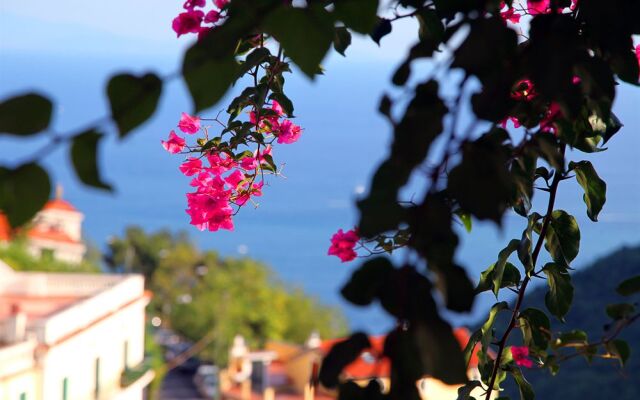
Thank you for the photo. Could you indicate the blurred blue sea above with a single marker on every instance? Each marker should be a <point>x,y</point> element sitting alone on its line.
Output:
<point>344,140</point>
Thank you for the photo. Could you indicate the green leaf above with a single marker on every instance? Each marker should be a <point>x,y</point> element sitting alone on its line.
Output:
<point>25,114</point>
<point>365,283</point>
<point>440,352</point>
<point>503,256</point>
<point>305,33</point>
<point>84,156</point>
<point>629,286</point>
<point>255,58</point>
<point>620,349</point>
<point>342,354</point>
<point>595,189</point>
<point>382,29</point>
<point>431,27</point>
<point>133,99</point>
<point>207,77</point>
<point>23,192</point>
<point>341,39</point>
<point>464,392</point>
<point>285,102</point>
<point>535,327</point>
<point>563,237</point>
<point>524,387</point>
<point>485,334</point>
<point>466,220</point>
<point>560,295</point>
<point>510,278</point>
<point>524,250</point>
<point>574,338</point>
<point>359,15</point>
<point>620,311</point>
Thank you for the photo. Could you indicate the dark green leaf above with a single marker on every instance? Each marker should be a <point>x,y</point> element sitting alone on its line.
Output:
<point>563,237</point>
<point>575,338</point>
<point>382,29</point>
<point>620,349</point>
<point>365,283</point>
<point>560,295</point>
<point>510,278</point>
<point>535,327</point>
<point>305,33</point>
<point>440,352</point>
<point>84,156</point>
<point>524,387</point>
<point>285,102</point>
<point>464,392</point>
<point>620,311</point>
<point>342,354</point>
<point>629,286</point>
<point>595,189</point>
<point>524,250</point>
<point>207,77</point>
<point>341,39</point>
<point>23,192</point>
<point>25,114</point>
<point>359,15</point>
<point>133,99</point>
<point>255,58</point>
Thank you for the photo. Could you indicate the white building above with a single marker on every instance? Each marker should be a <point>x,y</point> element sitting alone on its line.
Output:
<point>72,336</point>
<point>56,231</point>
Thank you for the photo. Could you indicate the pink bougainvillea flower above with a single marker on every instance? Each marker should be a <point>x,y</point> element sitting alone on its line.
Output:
<point>191,4</point>
<point>212,17</point>
<point>235,178</point>
<point>521,356</point>
<point>574,5</point>
<point>259,155</point>
<point>516,123</point>
<point>524,90</point>
<point>220,3</point>
<point>638,54</point>
<point>536,7</point>
<point>342,245</point>
<point>248,163</point>
<point>189,124</point>
<point>275,106</point>
<point>245,195</point>
<point>188,22</point>
<point>191,166</point>
<point>576,80</point>
<point>174,144</point>
<point>510,15</point>
<point>548,123</point>
<point>220,163</point>
<point>288,132</point>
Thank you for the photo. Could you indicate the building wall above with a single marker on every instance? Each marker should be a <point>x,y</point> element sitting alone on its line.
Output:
<point>18,375</point>
<point>69,222</point>
<point>97,352</point>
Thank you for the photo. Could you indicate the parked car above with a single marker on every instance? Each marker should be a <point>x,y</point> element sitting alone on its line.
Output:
<point>207,381</point>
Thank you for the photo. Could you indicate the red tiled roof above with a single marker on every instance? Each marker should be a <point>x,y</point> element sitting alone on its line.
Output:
<point>373,364</point>
<point>50,234</point>
<point>5,228</point>
<point>59,204</point>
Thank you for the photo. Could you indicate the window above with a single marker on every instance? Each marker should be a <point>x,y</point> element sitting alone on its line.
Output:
<point>126,355</point>
<point>96,391</point>
<point>46,254</point>
<point>65,389</point>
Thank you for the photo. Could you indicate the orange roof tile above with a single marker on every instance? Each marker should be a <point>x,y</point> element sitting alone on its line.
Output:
<point>59,204</point>
<point>5,228</point>
<point>50,234</point>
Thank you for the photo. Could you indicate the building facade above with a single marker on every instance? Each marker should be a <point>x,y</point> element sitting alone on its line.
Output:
<point>72,336</point>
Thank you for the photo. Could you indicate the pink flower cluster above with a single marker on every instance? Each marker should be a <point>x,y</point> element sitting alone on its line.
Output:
<point>534,7</point>
<point>223,182</point>
<point>192,19</point>
<point>343,244</point>
<point>285,131</point>
<point>521,356</point>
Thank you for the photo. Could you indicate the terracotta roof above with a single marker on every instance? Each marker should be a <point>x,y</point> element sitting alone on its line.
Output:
<point>59,204</point>
<point>373,364</point>
<point>50,234</point>
<point>5,229</point>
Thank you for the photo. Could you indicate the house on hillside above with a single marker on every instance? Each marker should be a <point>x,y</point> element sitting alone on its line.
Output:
<point>56,231</point>
<point>283,371</point>
<point>72,336</point>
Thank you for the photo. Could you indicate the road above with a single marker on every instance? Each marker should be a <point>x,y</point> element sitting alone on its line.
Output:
<point>178,385</point>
